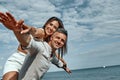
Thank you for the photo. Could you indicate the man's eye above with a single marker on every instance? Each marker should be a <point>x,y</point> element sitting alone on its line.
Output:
<point>36,37</point>
<point>50,24</point>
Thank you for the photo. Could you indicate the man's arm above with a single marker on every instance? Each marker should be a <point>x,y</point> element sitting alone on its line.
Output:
<point>9,22</point>
<point>56,61</point>
<point>66,69</point>
<point>64,64</point>
<point>58,56</point>
<point>23,39</point>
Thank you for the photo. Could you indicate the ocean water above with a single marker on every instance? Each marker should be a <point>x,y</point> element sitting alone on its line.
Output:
<point>101,73</point>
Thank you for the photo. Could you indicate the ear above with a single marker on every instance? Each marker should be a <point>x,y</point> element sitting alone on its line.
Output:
<point>51,38</point>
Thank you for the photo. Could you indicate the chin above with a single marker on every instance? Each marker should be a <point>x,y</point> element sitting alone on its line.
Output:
<point>56,47</point>
<point>49,34</point>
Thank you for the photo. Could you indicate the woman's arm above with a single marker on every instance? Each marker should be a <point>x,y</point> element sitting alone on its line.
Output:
<point>37,33</point>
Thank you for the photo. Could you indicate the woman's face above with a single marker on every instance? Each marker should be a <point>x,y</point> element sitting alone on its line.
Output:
<point>51,27</point>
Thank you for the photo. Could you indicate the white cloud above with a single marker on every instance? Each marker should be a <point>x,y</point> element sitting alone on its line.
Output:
<point>94,57</point>
<point>6,36</point>
<point>33,12</point>
<point>3,9</point>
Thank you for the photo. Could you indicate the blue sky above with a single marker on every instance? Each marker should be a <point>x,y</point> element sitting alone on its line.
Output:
<point>93,27</point>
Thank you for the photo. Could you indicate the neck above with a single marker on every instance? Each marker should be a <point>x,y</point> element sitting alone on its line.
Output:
<point>53,49</point>
<point>46,36</point>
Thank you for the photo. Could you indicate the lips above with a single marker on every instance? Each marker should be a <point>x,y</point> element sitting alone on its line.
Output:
<point>57,45</point>
<point>49,31</point>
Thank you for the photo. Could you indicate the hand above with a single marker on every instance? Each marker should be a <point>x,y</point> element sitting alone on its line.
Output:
<point>68,70</point>
<point>26,29</point>
<point>7,20</point>
<point>18,26</point>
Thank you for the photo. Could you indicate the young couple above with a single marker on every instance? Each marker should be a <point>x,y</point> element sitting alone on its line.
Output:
<point>44,46</point>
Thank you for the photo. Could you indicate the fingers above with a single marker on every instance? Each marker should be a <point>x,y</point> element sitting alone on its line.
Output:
<point>24,31</point>
<point>9,21</point>
<point>20,21</point>
<point>25,26</point>
<point>19,25</point>
<point>1,20</point>
<point>10,17</point>
<point>68,70</point>
<point>7,17</point>
<point>3,16</point>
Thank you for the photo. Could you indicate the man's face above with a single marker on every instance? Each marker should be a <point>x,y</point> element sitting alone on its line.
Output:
<point>58,40</point>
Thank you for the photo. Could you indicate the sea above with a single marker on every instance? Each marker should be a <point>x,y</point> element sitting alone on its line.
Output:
<point>99,73</point>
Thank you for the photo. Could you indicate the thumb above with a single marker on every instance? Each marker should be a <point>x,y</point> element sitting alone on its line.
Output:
<point>20,22</point>
<point>18,26</point>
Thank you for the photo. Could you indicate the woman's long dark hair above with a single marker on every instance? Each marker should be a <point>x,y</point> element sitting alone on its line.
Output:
<point>62,50</point>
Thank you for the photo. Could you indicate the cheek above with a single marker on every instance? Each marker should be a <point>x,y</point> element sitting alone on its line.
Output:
<point>54,30</point>
<point>45,29</point>
<point>47,26</point>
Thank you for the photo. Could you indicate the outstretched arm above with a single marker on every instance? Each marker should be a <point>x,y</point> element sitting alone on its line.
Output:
<point>24,39</point>
<point>58,56</point>
<point>37,33</point>
<point>18,27</point>
<point>66,69</point>
<point>9,22</point>
<point>64,63</point>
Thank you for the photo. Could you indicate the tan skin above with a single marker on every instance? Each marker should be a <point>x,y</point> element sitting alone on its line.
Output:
<point>9,22</point>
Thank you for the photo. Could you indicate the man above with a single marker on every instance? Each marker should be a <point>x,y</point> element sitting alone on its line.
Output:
<point>38,62</point>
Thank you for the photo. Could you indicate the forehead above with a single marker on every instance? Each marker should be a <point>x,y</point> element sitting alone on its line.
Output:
<point>61,35</point>
<point>54,22</point>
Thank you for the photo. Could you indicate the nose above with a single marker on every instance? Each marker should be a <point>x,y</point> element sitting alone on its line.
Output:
<point>59,41</point>
<point>51,29</point>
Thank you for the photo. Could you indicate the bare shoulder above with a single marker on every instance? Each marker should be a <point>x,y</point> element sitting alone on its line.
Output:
<point>40,31</point>
<point>39,34</point>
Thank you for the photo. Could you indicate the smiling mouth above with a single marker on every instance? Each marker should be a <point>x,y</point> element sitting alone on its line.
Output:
<point>58,45</point>
<point>49,31</point>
